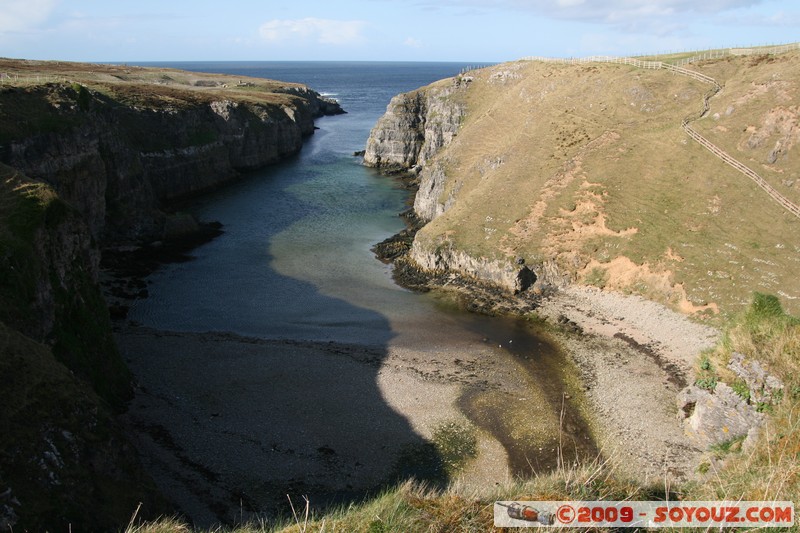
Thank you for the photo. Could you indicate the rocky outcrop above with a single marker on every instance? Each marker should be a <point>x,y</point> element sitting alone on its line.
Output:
<point>714,417</point>
<point>319,105</point>
<point>430,202</point>
<point>119,163</point>
<point>763,388</point>
<point>415,127</point>
<point>512,278</point>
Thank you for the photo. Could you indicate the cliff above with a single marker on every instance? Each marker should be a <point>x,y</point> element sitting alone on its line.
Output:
<point>583,173</point>
<point>415,126</point>
<point>414,129</point>
<point>121,152</point>
<point>65,460</point>
<point>96,156</point>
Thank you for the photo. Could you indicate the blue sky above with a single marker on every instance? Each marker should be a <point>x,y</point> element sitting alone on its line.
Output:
<point>395,30</point>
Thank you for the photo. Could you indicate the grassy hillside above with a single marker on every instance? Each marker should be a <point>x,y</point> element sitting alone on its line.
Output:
<point>156,87</point>
<point>587,166</point>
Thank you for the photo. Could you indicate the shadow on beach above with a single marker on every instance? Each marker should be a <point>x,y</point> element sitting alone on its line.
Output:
<point>230,424</point>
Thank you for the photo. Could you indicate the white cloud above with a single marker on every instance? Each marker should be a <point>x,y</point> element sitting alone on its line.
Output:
<point>412,42</point>
<point>323,31</point>
<point>607,11</point>
<point>779,19</point>
<point>23,15</point>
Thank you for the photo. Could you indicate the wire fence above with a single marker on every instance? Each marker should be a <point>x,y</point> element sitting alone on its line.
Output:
<point>16,79</point>
<point>469,68</point>
<point>679,62</point>
<point>725,52</point>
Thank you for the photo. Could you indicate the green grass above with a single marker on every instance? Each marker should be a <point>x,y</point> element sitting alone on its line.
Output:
<point>596,168</point>
<point>412,506</point>
<point>457,443</point>
<point>25,113</point>
<point>771,469</point>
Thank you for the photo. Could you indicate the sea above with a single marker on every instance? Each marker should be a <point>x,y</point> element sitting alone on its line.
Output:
<point>295,259</point>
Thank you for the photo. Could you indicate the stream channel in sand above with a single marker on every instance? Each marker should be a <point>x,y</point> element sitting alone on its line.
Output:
<point>282,359</point>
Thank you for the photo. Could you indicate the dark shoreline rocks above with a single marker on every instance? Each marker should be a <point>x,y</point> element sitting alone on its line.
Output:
<point>126,267</point>
<point>471,293</point>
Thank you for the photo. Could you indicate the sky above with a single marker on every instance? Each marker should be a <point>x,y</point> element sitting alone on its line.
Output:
<point>480,31</point>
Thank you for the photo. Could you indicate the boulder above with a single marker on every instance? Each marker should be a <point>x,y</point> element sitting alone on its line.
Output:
<point>764,388</point>
<point>714,417</point>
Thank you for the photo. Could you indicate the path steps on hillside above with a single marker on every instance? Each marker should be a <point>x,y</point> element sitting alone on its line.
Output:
<point>711,147</point>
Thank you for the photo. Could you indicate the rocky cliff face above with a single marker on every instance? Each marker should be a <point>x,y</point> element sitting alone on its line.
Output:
<point>63,452</point>
<point>119,162</point>
<point>49,291</point>
<point>512,278</point>
<point>414,129</point>
<point>415,126</point>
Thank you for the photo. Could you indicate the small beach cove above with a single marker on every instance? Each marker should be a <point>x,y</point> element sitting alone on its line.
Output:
<point>283,360</point>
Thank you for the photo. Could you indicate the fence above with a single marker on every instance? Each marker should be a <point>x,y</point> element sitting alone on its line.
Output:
<point>678,69</point>
<point>761,182</point>
<point>16,79</point>
<point>700,56</point>
<point>724,52</point>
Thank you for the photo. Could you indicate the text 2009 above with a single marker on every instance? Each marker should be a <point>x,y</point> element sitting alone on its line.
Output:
<point>588,515</point>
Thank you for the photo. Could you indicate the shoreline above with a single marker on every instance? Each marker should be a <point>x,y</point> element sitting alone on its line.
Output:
<point>229,425</point>
<point>626,360</point>
<point>240,395</point>
<point>632,357</point>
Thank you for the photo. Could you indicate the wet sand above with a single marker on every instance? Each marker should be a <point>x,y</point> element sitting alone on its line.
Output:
<point>229,426</point>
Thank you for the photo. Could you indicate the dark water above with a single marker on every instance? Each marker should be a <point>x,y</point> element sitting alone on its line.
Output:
<point>295,260</point>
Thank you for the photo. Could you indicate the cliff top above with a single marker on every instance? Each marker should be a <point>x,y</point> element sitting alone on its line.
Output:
<point>147,86</point>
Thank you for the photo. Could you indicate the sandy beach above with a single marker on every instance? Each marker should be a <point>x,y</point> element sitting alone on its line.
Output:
<point>229,425</point>
<point>634,356</point>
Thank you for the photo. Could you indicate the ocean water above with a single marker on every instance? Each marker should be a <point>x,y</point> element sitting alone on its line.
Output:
<point>295,260</point>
